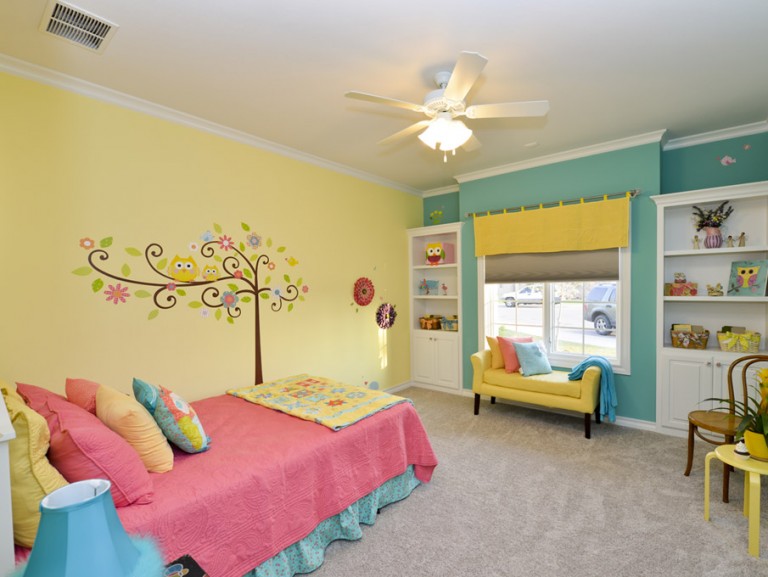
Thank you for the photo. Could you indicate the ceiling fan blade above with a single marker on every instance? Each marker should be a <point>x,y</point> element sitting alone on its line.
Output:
<point>384,100</point>
<point>465,73</point>
<point>472,144</point>
<point>509,109</point>
<point>421,125</point>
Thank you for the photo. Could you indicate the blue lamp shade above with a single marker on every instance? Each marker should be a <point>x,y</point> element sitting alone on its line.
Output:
<point>80,535</point>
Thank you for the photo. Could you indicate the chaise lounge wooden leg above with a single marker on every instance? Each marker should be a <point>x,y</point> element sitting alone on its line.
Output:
<point>588,425</point>
<point>477,404</point>
<point>597,415</point>
<point>493,400</point>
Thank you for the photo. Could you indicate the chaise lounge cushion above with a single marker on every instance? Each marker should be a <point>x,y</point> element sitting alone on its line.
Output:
<point>553,383</point>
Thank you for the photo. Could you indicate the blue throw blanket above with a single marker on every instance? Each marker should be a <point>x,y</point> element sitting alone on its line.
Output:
<point>608,400</point>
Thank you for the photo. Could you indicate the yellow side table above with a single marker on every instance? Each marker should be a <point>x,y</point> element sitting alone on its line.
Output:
<point>752,471</point>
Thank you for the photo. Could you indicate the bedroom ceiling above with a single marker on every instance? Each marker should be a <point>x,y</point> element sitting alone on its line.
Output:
<point>278,71</point>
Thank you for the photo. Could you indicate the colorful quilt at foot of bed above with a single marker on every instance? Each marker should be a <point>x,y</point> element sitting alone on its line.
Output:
<point>324,401</point>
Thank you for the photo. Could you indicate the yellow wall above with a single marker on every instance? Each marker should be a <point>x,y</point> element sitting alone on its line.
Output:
<point>72,167</point>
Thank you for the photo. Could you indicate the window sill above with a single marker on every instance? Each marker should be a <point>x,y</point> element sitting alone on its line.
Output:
<point>569,361</point>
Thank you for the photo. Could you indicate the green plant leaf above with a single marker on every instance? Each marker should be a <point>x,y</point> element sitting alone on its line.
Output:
<point>153,314</point>
<point>254,257</point>
<point>126,270</point>
<point>105,242</point>
<point>142,294</point>
<point>265,296</point>
<point>247,273</point>
<point>218,315</point>
<point>160,265</point>
<point>267,280</point>
<point>133,251</point>
<point>301,298</point>
<point>232,287</point>
<point>83,271</point>
<point>246,228</point>
<point>242,247</point>
<point>287,279</point>
<point>217,258</point>
<point>281,249</point>
<point>298,282</point>
<point>269,242</point>
<point>97,285</point>
<point>195,304</point>
<point>290,307</point>
<point>246,299</point>
<point>217,227</point>
<point>181,292</point>
<point>230,320</point>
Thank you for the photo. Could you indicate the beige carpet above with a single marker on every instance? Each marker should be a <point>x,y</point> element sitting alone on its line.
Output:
<point>522,492</point>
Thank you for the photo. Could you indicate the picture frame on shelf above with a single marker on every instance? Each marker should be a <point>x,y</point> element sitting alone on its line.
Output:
<point>748,278</point>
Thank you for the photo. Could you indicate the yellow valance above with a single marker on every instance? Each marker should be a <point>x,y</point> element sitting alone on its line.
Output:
<point>582,226</point>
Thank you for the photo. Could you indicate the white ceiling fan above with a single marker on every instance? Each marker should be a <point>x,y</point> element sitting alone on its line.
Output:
<point>445,105</point>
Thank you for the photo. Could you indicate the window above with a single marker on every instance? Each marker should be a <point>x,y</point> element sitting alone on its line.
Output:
<point>573,318</point>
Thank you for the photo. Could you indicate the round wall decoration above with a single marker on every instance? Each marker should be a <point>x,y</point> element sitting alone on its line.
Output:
<point>363,291</point>
<point>385,315</point>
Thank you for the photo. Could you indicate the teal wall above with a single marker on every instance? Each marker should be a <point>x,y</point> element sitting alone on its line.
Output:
<point>701,166</point>
<point>448,203</point>
<point>638,167</point>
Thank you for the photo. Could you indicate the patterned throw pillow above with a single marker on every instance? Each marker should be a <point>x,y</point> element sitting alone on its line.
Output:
<point>176,418</point>
<point>533,359</point>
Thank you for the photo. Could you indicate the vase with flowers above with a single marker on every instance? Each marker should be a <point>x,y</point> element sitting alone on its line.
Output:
<point>710,221</point>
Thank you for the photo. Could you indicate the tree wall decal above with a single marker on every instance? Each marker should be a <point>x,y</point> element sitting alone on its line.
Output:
<point>231,273</point>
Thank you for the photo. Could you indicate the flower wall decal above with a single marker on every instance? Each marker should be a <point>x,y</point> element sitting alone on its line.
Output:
<point>363,291</point>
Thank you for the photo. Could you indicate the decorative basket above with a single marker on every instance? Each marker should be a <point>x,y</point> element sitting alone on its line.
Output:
<point>450,323</point>
<point>689,340</point>
<point>748,342</point>
<point>429,323</point>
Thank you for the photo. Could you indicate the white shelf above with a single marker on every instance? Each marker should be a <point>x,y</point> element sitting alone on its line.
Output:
<point>724,299</point>
<point>710,252</point>
<point>435,266</point>
<point>436,297</point>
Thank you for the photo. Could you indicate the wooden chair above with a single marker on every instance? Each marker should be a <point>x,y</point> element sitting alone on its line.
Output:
<point>722,422</point>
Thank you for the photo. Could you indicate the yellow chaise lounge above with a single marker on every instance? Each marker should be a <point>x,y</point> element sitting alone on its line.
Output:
<point>552,390</point>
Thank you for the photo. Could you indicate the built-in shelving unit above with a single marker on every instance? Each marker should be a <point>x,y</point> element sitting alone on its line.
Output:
<point>686,377</point>
<point>435,354</point>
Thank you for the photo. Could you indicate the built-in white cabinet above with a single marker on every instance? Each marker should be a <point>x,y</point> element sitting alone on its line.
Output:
<point>435,289</point>
<point>686,377</point>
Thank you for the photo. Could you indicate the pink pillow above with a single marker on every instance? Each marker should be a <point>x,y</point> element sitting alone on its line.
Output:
<point>82,392</point>
<point>82,447</point>
<point>506,344</point>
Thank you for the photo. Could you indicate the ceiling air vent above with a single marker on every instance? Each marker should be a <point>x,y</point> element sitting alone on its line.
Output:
<point>77,25</point>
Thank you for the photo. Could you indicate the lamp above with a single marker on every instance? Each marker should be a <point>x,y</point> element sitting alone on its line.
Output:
<point>80,535</point>
<point>445,131</point>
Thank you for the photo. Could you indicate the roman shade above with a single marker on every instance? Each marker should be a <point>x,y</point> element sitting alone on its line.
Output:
<point>587,265</point>
<point>582,226</point>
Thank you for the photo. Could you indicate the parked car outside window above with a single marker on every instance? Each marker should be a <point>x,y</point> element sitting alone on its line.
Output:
<point>600,308</point>
<point>525,296</point>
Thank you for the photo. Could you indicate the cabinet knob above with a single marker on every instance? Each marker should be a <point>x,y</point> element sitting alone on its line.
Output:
<point>718,364</point>
<point>709,363</point>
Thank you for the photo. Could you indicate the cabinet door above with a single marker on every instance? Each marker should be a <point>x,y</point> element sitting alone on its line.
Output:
<point>423,357</point>
<point>447,360</point>
<point>687,382</point>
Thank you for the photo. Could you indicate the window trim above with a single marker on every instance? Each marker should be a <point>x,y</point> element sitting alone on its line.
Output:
<point>621,365</point>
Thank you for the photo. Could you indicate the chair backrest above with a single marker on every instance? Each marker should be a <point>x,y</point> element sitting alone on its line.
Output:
<point>743,371</point>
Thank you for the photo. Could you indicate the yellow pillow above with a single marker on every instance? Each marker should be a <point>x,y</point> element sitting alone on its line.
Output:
<point>32,476</point>
<point>497,360</point>
<point>129,419</point>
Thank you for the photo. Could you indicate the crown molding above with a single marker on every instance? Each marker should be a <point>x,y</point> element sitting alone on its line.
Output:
<point>610,146</point>
<point>70,83</point>
<point>717,135</point>
<point>442,190</point>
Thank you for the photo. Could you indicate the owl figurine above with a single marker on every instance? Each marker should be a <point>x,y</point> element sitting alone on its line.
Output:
<point>183,269</point>
<point>210,272</point>
<point>435,253</point>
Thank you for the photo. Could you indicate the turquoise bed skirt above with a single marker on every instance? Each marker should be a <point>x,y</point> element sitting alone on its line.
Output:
<point>309,553</point>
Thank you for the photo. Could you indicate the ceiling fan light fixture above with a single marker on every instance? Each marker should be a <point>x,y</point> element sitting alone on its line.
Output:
<point>446,133</point>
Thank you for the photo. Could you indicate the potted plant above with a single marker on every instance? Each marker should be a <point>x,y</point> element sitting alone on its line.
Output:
<point>753,427</point>
<point>710,221</point>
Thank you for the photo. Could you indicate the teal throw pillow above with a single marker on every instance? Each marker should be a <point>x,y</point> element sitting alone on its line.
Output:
<point>176,418</point>
<point>533,359</point>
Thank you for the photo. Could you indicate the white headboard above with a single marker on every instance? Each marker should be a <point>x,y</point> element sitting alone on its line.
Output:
<point>6,519</point>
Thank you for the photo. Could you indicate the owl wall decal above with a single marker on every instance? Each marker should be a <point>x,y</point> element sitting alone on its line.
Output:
<point>210,272</point>
<point>435,253</point>
<point>183,269</point>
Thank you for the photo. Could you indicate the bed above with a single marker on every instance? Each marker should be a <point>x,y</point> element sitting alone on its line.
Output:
<point>268,481</point>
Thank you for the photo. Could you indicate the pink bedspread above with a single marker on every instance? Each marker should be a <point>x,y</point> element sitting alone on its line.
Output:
<point>269,479</point>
